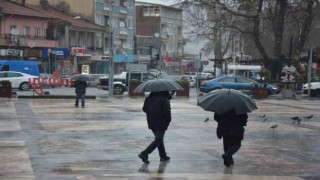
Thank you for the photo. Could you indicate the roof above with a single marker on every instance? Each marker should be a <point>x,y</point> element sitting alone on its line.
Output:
<point>138,3</point>
<point>12,8</point>
<point>81,23</point>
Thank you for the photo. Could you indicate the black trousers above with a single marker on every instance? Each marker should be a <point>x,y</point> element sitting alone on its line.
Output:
<point>157,143</point>
<point>231,144</point>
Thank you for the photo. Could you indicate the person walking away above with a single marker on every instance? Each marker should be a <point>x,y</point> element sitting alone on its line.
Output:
<point>80,92</point>
<point>158,111</point>
<point>231,129</point>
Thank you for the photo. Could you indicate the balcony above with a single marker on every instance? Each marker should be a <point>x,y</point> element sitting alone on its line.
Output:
<point>123,10</point>
<point>180,54</point>
<point>164,36</point>
<point>180,39</point>
<point>27,40</point>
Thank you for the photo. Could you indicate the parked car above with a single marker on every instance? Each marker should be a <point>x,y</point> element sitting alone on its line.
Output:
<point>121,81</point>
<point>203,75</point>
<point>314,89</point>
<point>192,79</point>
<point>18,79</point>
<point>95,79</point>
<point>235,82</point>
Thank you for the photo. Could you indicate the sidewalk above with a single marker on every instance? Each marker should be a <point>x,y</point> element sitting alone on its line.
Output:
<point>49,139</point>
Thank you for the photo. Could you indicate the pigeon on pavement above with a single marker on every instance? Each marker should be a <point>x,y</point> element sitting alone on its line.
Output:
<point>309,117</point>
<point>274,126</point>
<point>206,120</point>
<point>298,121</point>
<point>295,118</point>
<point>263,116</point>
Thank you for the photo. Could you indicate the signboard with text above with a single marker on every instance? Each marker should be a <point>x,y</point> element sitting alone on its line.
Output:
<point>59,53</point>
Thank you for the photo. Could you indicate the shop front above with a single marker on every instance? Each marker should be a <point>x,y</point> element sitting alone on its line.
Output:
<point>59,61</point>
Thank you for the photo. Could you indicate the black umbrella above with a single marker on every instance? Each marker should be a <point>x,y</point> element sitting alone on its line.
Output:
<point>222,100</point>
<point>156,85</point>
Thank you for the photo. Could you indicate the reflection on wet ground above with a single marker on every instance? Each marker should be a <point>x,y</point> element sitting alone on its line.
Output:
<point>50,139</point>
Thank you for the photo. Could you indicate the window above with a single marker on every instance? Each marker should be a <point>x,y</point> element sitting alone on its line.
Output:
<point>37,32</point>
<point>26,31</point>
<point>129,21</point>
<point>100,18</point>
<point>151,11</point>
<point>115,3</point>
<point>242,80</point>
<point>45,33</point>
<point>99,40</point>
<point>14,75</point>
<point>13,27</point>
<point>232,80</point>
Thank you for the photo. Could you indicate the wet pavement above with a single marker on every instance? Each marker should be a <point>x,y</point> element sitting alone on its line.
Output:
<point>48,139</point>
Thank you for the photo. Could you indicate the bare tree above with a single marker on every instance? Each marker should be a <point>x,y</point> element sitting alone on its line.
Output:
<point>264,22</point>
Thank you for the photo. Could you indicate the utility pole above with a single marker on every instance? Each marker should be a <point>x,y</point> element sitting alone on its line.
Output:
<point>111,63</point>
<point>309,70</point>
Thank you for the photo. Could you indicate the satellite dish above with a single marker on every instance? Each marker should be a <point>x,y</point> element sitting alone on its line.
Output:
<point>31,44</point>
<point>125,45</point>
<point>125,4</point>
<point>14,31</point>
<point>122,24</point>
<point>117,42</point>
<point>156,34</point>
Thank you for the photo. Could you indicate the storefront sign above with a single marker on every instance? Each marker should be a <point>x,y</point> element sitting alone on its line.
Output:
<point>59,53</point>
<point>11,52</point>
<point>32,53</point>
<point>80,52</point>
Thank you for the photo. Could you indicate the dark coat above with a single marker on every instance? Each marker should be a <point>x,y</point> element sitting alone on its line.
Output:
<point>230,124</point>
<point>80,87</point>
<point>158,110</point>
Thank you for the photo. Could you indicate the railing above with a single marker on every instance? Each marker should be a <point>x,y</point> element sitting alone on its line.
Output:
<point>9,36</point>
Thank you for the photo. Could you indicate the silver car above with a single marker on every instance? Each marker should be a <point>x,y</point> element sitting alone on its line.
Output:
<point>18,79</point>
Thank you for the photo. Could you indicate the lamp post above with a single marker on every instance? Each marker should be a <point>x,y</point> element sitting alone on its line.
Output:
<point>49,56</point>
<point>157,35</point>
<point>111,63</point>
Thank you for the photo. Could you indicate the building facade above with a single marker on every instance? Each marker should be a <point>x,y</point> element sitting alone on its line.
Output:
<point>159,41</point>
<point>55,39</point>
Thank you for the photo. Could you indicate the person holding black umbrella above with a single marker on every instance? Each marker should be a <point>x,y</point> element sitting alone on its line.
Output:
<point>158,111</point>
<point>231,129</point>
<point>80,91</point>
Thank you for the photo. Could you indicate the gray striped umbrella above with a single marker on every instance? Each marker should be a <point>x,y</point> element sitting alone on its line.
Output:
<point>156,85</point>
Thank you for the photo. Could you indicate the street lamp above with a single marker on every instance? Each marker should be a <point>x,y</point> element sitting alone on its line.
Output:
<point>157,35</point>
<point>49,55</point>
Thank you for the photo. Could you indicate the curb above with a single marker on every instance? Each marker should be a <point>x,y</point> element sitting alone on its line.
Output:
<point>53,97</point>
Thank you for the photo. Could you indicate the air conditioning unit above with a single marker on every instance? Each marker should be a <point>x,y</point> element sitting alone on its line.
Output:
<point>21,41</point>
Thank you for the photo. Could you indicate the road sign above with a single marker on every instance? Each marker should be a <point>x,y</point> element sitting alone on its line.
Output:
<point>190,65</point>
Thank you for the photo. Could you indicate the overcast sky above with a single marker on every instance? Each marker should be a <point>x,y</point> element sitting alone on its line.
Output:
<point>164,2</point>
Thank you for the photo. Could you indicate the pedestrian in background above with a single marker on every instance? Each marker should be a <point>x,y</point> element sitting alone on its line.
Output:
<point>158,111</point>
<point>231,129</point>
<point>80,91</point>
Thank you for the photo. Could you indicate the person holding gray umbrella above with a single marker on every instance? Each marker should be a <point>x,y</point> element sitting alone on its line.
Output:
<point>158,110</point>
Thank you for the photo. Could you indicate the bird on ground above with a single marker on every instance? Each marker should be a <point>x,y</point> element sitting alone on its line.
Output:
<point>263,116</point>
<point>265,119</point>
<point>309,117</point>
<point>298,121</point>
<point>206,120</point>
<point>274,126</point>
<point>295,118</point>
